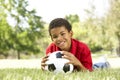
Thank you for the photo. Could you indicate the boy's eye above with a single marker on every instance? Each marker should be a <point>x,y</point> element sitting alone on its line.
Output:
<point>63,34</point>
<point>54,36</point>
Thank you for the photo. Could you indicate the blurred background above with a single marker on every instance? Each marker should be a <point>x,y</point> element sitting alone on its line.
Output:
<point>24,25</point>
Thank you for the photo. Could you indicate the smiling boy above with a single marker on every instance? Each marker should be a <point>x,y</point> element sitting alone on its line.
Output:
<point>77,52</point>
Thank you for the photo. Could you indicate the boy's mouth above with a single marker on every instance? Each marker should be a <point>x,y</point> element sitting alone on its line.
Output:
<point>61,44</point>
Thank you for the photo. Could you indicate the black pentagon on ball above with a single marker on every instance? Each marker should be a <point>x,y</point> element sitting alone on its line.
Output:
<point>59,55</point>
<point>66,68</point>
<point>51,67</point>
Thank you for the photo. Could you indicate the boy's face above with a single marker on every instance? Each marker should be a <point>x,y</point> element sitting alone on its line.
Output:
<point>61,37</point>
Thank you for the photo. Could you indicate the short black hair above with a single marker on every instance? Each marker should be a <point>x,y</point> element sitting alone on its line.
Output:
<point>58,22</point>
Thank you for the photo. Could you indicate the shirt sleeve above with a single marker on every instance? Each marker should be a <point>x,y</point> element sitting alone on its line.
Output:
<point>51,48</point>
<point>86,59</point>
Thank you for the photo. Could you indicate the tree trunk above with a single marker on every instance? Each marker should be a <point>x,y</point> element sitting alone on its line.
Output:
<point>18,55</point>
<point>118,48</point>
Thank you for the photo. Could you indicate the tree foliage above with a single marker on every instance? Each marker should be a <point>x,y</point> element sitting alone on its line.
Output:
<point>27,28</point>
<point>99,33</point>
<point>5,32</point>
<point>113,19</point>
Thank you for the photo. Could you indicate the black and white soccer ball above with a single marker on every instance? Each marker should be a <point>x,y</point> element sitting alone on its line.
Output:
<point>58,64</point>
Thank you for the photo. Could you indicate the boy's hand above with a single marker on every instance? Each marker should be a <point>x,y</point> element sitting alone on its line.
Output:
<point>44,59</point>
<point>73,60</point>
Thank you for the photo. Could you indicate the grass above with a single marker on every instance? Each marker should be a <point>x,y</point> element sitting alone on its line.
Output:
<point>37,74</point>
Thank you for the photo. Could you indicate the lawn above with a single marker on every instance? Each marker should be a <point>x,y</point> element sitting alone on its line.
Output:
<point>37,74</point>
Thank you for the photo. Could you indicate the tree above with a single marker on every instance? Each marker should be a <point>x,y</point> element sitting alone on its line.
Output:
<point>72,18</point>
<point>5,32</point>
<point>113,18</point>
<point>28,27</point>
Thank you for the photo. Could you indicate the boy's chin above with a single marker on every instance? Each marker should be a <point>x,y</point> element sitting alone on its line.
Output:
<point>63,49</point>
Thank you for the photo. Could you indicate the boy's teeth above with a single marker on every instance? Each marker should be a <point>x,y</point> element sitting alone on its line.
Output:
<point>61,43</point>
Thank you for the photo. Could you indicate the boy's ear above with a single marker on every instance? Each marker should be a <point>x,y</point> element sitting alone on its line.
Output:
<point>71,33</point>
<point>51,38</point>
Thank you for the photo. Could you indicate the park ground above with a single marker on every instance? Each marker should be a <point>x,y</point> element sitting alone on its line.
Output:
<point>35,63</point>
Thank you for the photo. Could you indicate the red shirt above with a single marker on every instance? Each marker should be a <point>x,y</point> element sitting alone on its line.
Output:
<point>79,50</point>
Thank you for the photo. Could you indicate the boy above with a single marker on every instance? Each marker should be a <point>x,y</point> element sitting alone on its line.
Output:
<point>77,52</point>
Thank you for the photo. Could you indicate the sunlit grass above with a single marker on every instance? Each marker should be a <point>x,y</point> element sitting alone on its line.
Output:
<point>37,74</point>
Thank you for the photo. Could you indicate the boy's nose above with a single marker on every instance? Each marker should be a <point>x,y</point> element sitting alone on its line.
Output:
<point>59,37</point>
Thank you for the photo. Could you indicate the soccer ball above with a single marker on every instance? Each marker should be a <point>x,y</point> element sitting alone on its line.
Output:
<point>58,64</point>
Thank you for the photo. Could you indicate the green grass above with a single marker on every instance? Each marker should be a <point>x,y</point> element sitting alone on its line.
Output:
<point>37,74</point>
